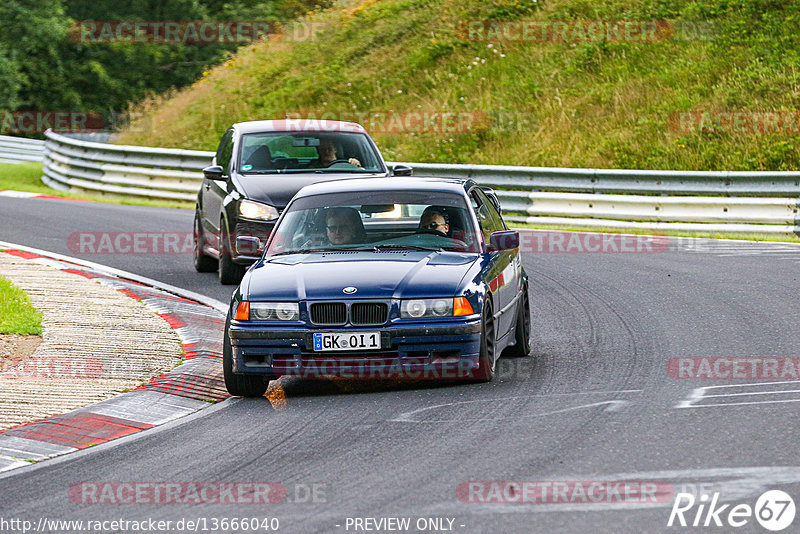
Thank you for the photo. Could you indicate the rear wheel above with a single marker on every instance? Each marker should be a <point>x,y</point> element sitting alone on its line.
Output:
<point>230,273</point>
<point>522,333</point>
<point>240,385</point>
<point>203,263</point>
<point>488,358</point>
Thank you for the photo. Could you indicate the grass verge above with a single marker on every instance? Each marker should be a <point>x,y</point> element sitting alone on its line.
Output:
<point>28,177</point>
<point>17,314</point>
<point>572,101</point>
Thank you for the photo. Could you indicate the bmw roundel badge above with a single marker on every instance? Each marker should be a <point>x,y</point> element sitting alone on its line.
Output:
<point>349,290</point>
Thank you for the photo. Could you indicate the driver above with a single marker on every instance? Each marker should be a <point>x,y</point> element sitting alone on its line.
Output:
<point>344,226</point>
<point>435,219</point>
<point>327,155</point>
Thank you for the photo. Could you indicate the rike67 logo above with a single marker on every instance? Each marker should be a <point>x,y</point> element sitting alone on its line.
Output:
<point>774,510</point>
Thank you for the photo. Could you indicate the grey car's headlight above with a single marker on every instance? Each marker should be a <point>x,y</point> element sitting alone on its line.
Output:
<point>256,210</point>
<point>274,311</point>
<point>419,308</point>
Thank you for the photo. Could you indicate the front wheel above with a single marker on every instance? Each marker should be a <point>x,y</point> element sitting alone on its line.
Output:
<point>230,273</point>
<point>202,262</point>
<point>487,359</point>
<point>240,385</point>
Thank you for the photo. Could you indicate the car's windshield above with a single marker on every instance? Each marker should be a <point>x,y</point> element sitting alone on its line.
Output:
<point>376,220</point>
<point>280,152</point>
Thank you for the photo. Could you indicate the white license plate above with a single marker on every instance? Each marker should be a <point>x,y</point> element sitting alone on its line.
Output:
<point>325,341</point>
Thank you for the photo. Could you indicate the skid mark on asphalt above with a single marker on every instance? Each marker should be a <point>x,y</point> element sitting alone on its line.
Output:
<point>422,415</point>
<point>595,337</point>
<point>742,395</point>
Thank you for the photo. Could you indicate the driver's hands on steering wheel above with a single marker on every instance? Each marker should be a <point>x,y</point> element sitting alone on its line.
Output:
<point>351,161</point>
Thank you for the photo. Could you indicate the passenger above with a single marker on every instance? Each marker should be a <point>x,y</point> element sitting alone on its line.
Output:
<point>435,219</point>
<point>344,226</point>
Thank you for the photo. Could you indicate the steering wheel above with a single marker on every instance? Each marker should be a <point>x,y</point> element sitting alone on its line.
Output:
<point>334,162</point>
<point>429,231</point>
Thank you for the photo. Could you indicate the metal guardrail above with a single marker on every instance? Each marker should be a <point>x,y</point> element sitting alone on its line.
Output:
<point>712,201</point>
<point>20,149</point>
<point>157,173</point>
<point>725,201</point>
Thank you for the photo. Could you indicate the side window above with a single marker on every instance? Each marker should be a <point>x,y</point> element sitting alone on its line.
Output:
<point>225,151</point>
<point>488,217</point>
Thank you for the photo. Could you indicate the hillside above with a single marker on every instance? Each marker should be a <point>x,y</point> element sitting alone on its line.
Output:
<point>558,98</point>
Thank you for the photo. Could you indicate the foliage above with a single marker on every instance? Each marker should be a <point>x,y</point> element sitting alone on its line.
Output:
<point>17,314</point>
<point>44,66</point>
<point>594,103</point>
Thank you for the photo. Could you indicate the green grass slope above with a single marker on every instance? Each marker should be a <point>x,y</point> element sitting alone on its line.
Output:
<point>581,103</point>
<point>17,314</point>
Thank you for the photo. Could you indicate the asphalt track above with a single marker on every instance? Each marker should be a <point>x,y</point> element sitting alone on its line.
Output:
<point>596,403</point>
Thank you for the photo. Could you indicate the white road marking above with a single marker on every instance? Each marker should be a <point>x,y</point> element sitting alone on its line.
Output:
<point>613,405</point>
<point>18,194</point>
<point>759,388</point>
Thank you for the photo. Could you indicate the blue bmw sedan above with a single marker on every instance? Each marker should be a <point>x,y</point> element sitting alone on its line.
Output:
<point>381,278</point>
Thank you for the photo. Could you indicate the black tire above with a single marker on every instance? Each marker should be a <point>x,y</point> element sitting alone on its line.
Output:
<point>522,333</point>
<point>230,273</point>
<point>203,263</point>
<point>488,358</point>
<point>240,385</point>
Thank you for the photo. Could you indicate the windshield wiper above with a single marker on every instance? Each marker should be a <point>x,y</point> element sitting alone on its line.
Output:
<point>405,247</point>
<point>342,171</point>
<point>303,251</point>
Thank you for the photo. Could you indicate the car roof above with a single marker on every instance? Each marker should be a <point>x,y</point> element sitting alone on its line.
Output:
<point>391,183</point>
<point>299,126</point>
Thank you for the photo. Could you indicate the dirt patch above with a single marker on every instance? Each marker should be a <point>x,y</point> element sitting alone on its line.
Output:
<point>15,348</point>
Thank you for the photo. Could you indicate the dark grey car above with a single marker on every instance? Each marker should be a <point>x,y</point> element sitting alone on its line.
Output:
<point>258,167</point>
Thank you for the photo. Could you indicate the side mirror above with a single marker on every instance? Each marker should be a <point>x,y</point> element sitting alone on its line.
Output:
<point>402,170</point>
<point>505,240</point>
<point>213,173</point>
<point>248,245</point>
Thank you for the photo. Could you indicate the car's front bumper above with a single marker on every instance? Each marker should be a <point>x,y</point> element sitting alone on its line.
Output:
<point>414,351</point>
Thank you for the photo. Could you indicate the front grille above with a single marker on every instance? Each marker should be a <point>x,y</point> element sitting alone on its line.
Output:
<point>329,313</point>
<point>368,313</point>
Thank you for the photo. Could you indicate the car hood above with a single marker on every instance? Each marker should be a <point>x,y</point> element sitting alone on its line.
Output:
<point>278,189</point>
<point>375,275</point>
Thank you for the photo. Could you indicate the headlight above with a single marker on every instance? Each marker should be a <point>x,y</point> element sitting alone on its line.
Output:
<point>256,210</point>
<point>274,311</point>
<point>418,308</point>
